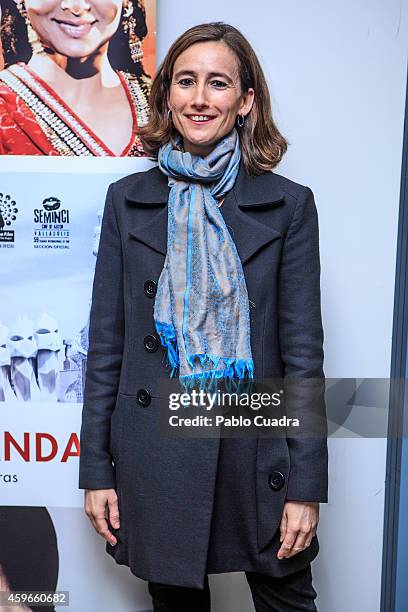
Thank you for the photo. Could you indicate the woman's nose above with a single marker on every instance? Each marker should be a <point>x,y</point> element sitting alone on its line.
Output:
<point>76,6</point>
<point>200,97</point>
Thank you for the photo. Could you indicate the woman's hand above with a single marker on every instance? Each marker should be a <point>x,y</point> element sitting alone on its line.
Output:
<point>95,508</point>
<point>298,526</point>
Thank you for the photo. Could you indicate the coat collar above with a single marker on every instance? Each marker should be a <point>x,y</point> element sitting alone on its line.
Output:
<point>151,188</point>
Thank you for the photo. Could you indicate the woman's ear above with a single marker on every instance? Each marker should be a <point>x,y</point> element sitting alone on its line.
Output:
<point>248,98</point>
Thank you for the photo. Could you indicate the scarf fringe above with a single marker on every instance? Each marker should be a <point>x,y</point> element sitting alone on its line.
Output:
<point>233,366</point>
<point>234,369</point>
<point>168,338</point>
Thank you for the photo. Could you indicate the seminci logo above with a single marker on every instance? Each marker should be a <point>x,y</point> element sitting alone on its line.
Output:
<point>51,212</point>
<point>51,229</point>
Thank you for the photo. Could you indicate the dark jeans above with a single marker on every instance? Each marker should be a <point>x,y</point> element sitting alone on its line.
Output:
<point>287,594</point>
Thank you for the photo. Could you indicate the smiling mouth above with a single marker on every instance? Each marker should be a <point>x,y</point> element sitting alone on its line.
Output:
<point>75,30</point>
<point>200,118</point>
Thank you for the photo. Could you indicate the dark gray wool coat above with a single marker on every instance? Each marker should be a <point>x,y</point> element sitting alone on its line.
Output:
<point>201,505</point>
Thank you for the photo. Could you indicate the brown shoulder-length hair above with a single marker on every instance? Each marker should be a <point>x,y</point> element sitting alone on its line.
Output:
<point>262,145</point>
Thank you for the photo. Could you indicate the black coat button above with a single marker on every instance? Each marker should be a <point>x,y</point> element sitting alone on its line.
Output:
<point>143,397</point>
<point>150,288</point>
<point>150,343</point>
<point>276,480</point>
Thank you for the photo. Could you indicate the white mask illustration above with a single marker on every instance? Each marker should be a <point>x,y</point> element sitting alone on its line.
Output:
<point>48,344</point>
<point>21,341</point>
<point>6,392</point>
<point>23,351</point>
<point>46,333</point>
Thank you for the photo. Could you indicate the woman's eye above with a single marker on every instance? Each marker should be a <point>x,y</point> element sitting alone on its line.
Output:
<point>185,82</point>
<point>219,84</point>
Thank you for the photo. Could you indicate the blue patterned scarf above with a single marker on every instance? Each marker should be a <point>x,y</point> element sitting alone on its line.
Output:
<point>201,310</point>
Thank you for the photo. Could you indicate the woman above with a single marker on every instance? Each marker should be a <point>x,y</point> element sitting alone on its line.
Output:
<point>226,276</point>
<point>65,92</point>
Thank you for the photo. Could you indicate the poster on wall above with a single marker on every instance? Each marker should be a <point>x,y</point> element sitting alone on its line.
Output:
<point>74,82</point>
<point>75,79</point>
<point>48,254</point>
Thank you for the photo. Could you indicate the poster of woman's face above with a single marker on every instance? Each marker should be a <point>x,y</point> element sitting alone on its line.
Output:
<point>69,69</point>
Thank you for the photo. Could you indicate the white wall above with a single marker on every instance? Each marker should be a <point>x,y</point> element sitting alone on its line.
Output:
<point>337,74</point>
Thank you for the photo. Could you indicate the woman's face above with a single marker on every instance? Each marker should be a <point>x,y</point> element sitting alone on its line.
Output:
<point>74,28</point>
<point>205,95</point>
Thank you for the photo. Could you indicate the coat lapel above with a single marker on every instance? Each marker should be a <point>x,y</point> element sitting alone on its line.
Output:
<point>249,194</point>
<point>150,190</point>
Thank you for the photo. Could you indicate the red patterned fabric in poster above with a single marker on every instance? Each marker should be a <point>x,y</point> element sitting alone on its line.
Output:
<point>75,82</point>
